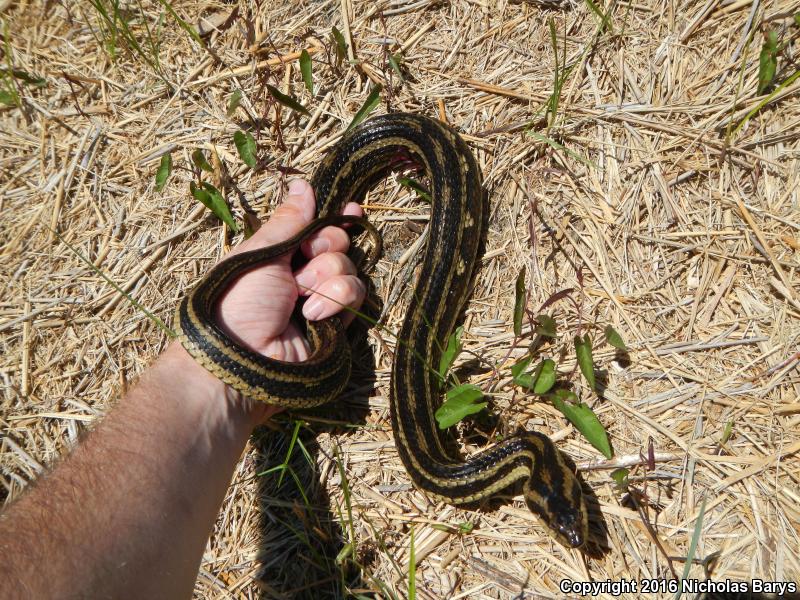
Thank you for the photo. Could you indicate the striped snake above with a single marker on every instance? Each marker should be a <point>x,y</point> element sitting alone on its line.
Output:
<point>362,158</point>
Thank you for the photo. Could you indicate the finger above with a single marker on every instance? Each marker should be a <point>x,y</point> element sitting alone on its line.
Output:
<point>335,295</point>
<point>294,213</point>
<point>320,269</point>
<point>331,239</point>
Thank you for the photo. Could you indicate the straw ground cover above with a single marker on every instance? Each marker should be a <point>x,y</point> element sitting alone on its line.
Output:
<point>640,185</point>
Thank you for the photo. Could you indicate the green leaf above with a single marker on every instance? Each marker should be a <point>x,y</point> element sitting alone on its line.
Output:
<point>767,61</point>
<point>620,477</point>
<point>369,105</point>
<point>8,98</point>
<point>305,69</point>
<point>520,300</point>
<point>233,103</point>
<point>541,380</point>
<point>416,186</point>
<point>519,367</point>
<point>199,159</point>
<point>614,338</point>
<point>25,77</point>
<point>726,433</point>
<point>544,377</point>
<point>246,147</point>
<point>465,527</point>
<point>287,100</point>
<point>583,350</point>
<point>459,403</point>
<point>583,418</point>
<point>450,353</point>
<point>546,327</point>
<point>341,45</point>
<point>213,200</point>
<point>394,62</point>
<point>797,19</point>
<point>164,171</point>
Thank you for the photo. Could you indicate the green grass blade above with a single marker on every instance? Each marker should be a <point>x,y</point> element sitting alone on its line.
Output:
<point>698,530</point>
<point>158,322</point>
<point>557,146</point>
<point>369,105</point>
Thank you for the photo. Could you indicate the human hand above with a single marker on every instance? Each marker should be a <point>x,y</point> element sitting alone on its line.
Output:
<point>256,310</point>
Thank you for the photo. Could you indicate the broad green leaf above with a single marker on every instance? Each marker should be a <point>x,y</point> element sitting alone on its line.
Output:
<point>540,380</point>
<point>546,327</point>
<point>620,477</point>
<point>394,62</point>
<point>341,45</point>
<point>460,402</point>
<point>583,351</point>
<point>200,194</point>
<point>7,98</point>
<point>369,105</point>
<point>544,377</point>
<point>199,159</point>
<point>767,61</point>
<point>614,338</point>
<point>520,300</point>
<point>164,171</point>
<point>213,200</point>
<point>305,70</point>
<point>287,100</point>
<point>450,353</point>
<point>583,418</point>
<point>519,367</point>
<point>233,103</point>
<point>415,185</point>
<point>246,147</point>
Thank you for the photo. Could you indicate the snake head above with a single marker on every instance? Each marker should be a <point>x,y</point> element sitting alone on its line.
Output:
<point>554,493</point>
<point>570,525</point>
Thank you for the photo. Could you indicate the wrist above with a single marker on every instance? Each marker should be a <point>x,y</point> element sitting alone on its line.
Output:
<point>200,389</point>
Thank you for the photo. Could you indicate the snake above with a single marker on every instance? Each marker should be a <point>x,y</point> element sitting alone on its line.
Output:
<point>364,156</point>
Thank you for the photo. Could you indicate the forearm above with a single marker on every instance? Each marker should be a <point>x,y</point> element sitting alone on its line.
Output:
<point>129,512</point>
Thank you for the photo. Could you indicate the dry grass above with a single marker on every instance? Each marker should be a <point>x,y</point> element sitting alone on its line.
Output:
<point>680,232</point>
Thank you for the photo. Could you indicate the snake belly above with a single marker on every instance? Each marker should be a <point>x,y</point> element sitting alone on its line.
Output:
<point>359,160</point>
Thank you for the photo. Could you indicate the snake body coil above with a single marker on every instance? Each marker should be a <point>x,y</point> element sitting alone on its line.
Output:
<point>361,159</point>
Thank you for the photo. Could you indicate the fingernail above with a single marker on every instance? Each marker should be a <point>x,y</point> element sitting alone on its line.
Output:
<point>306,281</point>
<point>319,245</point>
<point>313,308</point>
<point>297,187</point>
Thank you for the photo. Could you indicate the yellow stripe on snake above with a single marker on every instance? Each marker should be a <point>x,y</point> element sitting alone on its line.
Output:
<point>363,157</point>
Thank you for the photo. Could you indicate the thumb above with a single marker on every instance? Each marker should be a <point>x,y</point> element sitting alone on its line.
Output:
<point>294,213</point>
